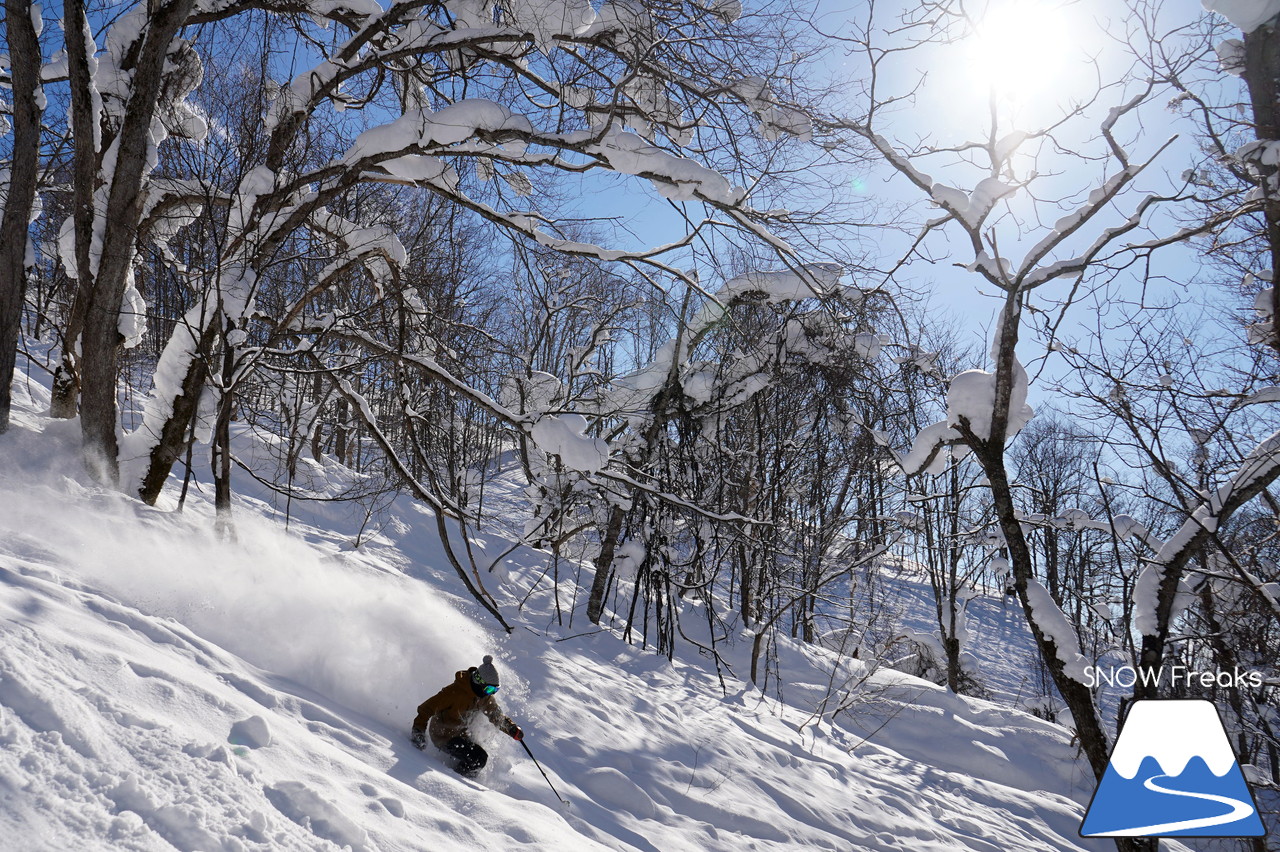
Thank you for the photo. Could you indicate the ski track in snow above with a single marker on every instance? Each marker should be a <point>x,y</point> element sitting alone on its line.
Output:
<point>162,690</point>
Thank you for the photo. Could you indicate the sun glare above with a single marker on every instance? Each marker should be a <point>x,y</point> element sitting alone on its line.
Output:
<point>1018,48</point>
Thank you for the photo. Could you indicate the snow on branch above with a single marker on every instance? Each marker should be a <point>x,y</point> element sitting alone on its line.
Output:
<point>546,20</point>
<point>564,435</point>
<point>926,455</point>
<point>376,246</point>
<point>1052,623</point>
<point>434,369</point>
<point>1248,15</point>
<point>972,208</point>
<point>400,144</point>
<point>971,402</point>
<point>1258,470</point>
<point>776,119</point>
<point>731,384</point>
<point>425,129</point>
<point>674,177</point>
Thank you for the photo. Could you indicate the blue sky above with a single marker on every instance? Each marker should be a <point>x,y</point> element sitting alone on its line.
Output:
<point>952,108</point>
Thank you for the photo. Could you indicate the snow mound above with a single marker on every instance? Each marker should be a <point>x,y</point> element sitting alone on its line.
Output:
<point>252,732</point>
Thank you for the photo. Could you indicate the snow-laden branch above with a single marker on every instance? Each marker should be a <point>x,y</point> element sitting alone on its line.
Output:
<point>435,133</point>
<point>1052,623</point>
<point>1248,15</point>
<point>971,410</point>
<point>1153,608</point>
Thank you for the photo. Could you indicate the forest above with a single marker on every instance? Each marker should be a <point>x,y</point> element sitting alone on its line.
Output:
<point>758,298</point>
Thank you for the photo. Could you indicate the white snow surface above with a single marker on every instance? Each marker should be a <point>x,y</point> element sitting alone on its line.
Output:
<point>1165,733</point>
<point>161,689</point>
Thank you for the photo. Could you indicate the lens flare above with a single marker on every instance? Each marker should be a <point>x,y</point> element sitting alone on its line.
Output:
<point>1018,48</point>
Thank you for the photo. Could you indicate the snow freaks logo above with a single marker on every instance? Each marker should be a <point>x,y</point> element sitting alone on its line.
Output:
<point>1175,676</point>
<point>1172,774</point>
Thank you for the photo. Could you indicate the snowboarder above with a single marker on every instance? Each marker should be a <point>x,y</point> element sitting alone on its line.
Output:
<point>446,716</point>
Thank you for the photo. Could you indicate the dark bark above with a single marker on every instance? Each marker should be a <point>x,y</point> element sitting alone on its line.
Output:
<point>84,175</point>
<point>1093,739</point>
<point>100,340</point>
<point>952,643</point>
<point>991,455</point>
<point>604,564</point>
<point>176,433</point>
<point>1079,700</point>
<point>1262,75</point>
<point>222,443</point>
<point>340,431</point>
<point>24,56</point>
<point>990,451</point>
<point>746,600</point>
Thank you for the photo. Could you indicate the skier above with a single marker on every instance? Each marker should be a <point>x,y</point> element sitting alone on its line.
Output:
<point>447,715</point>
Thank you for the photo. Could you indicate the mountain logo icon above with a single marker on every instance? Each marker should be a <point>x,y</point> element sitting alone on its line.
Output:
<point>1172,774</point>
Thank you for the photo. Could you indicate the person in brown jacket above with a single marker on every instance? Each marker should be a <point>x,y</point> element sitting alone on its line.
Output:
<point>447,715</point>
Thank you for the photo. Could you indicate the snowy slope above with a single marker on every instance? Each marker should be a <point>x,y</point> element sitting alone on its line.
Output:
<point>1001,650</point>
<point>160,689</point>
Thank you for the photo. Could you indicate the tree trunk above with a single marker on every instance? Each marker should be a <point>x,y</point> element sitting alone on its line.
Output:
<point>990,453</point>
<point>84,175</point>
<point>953,555</point>
<point>223,522</point>
<point>176,433</point>
<point>604,564</point>
<point>100,340</point>
<point>1262,75</point>
<point>1093,739</point>
<point>316,435</point>
<point>24,53</point>
<point>340,431</point>
<point>222,444</point>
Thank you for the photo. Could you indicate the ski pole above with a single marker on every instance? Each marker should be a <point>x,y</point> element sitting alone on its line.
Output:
<point>544,774</point>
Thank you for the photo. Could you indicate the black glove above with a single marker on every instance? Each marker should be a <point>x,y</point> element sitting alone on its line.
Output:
<point>515,732</point>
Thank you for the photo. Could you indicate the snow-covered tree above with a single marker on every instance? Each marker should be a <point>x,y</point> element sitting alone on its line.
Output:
<point>18,178</point>
<point>1042,247</point>
<point>478,103</point>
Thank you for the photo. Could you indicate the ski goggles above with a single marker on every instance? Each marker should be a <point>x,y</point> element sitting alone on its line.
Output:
<point>486,688</point>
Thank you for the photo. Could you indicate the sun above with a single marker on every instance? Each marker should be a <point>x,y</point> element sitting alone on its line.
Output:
<point>1018,48</point>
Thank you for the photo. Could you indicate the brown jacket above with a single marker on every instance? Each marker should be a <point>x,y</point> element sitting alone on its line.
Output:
<point>447,714</point>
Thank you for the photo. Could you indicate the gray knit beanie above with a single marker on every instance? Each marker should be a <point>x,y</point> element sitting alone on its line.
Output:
<point>486,672</point>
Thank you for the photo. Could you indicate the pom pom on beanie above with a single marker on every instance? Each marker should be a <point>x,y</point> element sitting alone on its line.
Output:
<point>486,672</point>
